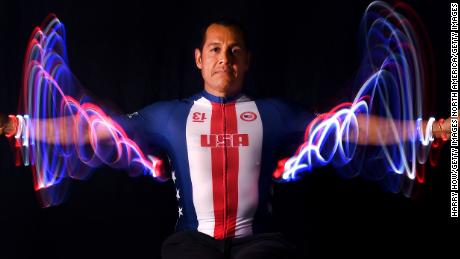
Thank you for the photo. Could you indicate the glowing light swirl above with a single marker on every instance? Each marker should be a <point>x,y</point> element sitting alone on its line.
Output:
<point>49,92</point>
<point>393,75</point>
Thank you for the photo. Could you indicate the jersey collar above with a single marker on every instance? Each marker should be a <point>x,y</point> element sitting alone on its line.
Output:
<point>220,99</point>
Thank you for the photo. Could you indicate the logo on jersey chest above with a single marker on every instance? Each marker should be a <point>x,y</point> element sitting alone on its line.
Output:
<point>199,117</point>
<point>224,140</point>
<point>248,116</point>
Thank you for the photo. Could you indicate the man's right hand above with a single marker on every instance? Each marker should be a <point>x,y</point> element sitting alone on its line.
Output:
<point>7,126</point>
<point>3,121</point>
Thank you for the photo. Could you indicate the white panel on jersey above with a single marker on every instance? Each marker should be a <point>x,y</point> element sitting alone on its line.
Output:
<point>198,123</point>
<point>249,122</point>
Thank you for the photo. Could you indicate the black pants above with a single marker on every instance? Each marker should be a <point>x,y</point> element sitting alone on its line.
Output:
<point>193,244</point>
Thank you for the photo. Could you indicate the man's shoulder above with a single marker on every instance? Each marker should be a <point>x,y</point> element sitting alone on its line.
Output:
<point>277,103</point>
<point>165,106</point>
<point>284,109</point>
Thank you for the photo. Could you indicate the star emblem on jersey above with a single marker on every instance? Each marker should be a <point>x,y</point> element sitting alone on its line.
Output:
<point>173,177</point>
<point>180,212</point>
<point>177,194</point>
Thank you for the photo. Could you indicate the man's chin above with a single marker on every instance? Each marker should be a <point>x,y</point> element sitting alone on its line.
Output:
<point>225,84</point>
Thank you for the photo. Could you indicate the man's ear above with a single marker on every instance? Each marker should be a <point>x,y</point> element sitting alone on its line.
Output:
<point>198,60</point>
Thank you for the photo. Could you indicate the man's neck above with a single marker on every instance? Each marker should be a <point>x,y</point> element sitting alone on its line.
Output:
<point>220,99</point>
<point>223,94</point>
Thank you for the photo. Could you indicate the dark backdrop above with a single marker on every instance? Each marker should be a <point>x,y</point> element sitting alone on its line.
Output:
<point>133,53</point>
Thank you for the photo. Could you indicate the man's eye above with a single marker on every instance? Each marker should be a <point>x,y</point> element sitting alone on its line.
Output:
<point>236,50</point>
<point>214,49</point>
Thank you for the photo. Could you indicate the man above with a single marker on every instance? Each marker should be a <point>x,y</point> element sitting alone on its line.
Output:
<point>223,148</point>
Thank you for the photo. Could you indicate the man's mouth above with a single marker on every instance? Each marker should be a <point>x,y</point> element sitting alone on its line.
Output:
<point>222,71</point>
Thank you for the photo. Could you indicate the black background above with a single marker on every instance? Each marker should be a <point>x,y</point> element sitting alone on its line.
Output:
<point>133,53</point>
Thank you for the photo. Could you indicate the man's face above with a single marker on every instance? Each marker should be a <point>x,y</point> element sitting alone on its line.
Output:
<point>223,60</point>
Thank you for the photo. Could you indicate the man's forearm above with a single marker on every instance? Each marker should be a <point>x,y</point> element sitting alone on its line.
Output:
<point>375,130</point>
<point>56,131</point>
<point>60,130</point>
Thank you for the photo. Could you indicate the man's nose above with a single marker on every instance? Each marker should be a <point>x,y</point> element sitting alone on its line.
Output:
<point>225,57</point>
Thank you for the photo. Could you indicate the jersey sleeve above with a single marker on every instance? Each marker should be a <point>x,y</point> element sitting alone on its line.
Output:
<point>294,120</point>
<point>149,124</point>
<point>147,128</point>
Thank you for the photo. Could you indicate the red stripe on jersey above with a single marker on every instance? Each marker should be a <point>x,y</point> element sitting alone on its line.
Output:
<point>217,162</point>
<point>231,172</point>
<point>225,164</point>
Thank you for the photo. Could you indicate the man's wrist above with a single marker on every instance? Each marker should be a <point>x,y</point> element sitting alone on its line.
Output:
<point>436,129</point>
<point>440,130</point>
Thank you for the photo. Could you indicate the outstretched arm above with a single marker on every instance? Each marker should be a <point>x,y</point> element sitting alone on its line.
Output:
<point>69,131</point>
<point>384,131</point>
<point>59,130</point>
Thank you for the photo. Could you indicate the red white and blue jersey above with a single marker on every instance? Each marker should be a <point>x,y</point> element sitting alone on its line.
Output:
<point>223,152</point>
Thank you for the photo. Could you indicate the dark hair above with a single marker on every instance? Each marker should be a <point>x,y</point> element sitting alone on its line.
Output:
<point>227,22</point>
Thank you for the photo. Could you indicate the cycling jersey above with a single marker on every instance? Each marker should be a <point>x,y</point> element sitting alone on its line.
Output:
<point>223,152</point>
